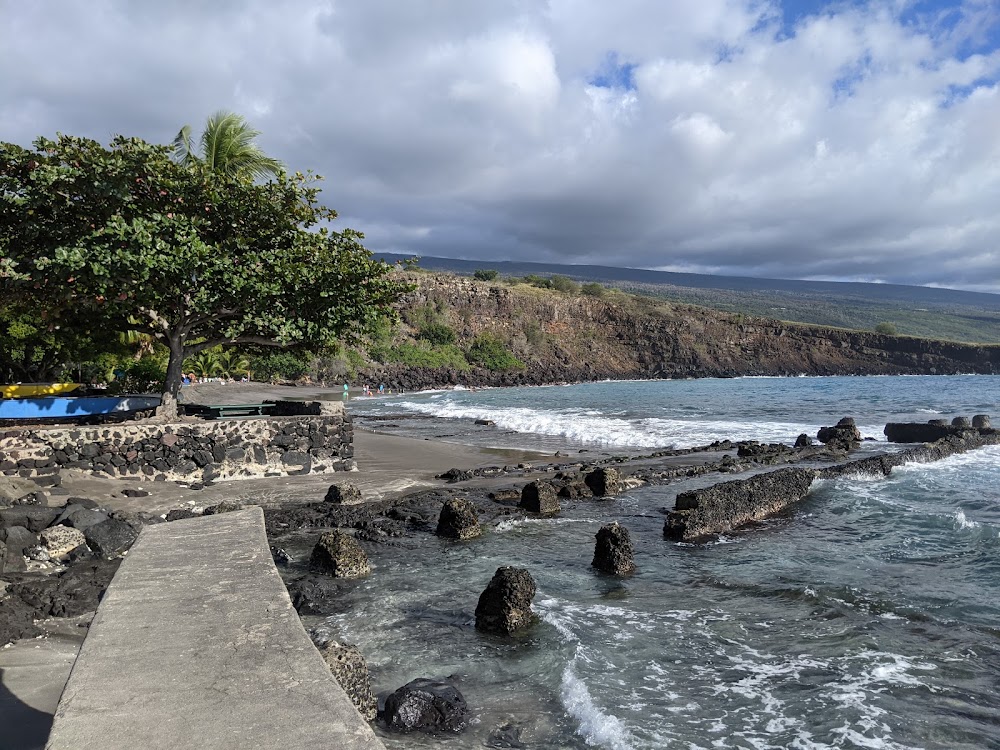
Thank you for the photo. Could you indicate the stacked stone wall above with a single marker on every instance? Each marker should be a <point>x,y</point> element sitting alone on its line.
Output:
<point>191,451</point>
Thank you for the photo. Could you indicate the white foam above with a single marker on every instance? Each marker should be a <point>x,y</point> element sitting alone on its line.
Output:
<point>595,427</point>
<point>963,522</point>
<point>597,727</point>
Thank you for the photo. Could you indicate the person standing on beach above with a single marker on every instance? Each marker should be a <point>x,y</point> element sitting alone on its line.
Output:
<point>346,391</point>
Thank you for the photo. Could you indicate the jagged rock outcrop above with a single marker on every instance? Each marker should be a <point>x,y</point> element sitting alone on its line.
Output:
<point>604,482</point>
<point>843,435</point>
<point>458,520</point>
<point>505,604</point>
<point>613,550</point>
<point>539,497</point>
<point>729,505</point>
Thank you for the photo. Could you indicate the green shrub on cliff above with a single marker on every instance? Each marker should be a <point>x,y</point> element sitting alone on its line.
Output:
<point>437,334</point>
<point>423,354</point>
<point>889,329</point>
<point>490,352</point>
<point>592,289</point>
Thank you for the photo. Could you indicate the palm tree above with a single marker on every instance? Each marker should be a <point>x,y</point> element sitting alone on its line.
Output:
<point>226,145</point>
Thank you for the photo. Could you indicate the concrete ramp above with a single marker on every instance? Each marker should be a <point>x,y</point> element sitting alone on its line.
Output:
<point>196,645</point>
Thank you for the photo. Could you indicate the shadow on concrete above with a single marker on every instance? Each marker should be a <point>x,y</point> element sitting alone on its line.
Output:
<point>21,726</point>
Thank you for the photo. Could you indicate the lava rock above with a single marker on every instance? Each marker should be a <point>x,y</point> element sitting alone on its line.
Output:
<point>32,517</point>
<point>111,538</point>
<point>803,441</point>
<point>613,550</point>
<point>344,494</point>
<point>17,621</point>
<point>226,506</point>
<point>963,423</point>
<point>604,482</point>
<point>349,668</point>
<point>427,705</point>
<point>179,514</point>
<point>337,554</point>
<point>135,493</point>
<point>61,540</point>
<point>315,595</point>
<point>458,520</point>
<point>539,497</point>
<point>78,517</point>
<point>844,434</point>
<point>505,605</point>
<point>455,475</point>
<point>75,591</point>
<point>279,556</point>
<point>981,422</point>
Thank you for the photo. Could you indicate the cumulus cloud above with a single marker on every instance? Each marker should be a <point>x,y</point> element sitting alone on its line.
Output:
<point>855,140</point>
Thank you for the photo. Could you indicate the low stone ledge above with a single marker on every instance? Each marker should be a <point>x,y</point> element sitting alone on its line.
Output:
<point>190,451</point>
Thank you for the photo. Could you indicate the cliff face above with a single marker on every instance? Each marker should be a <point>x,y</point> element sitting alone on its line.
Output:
<point>565,337</point>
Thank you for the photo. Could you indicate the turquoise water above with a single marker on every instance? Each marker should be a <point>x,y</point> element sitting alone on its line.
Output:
<point>867,617</point>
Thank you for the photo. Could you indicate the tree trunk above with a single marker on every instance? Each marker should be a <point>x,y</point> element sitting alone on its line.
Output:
<point>172,385</point>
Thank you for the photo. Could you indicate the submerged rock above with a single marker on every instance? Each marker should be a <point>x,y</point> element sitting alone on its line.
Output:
<point>428,705</point>
<point>505,605</point>
<point>613,550</point>
<point>337,554</point>
<point>458,520</point>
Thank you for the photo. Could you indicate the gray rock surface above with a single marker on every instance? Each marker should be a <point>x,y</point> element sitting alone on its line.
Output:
<point>344,493</point>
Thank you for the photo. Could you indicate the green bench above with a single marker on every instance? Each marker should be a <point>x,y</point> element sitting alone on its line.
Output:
<point>232,411</point>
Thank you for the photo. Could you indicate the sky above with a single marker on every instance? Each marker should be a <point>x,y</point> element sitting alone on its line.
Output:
<point>853,140</point>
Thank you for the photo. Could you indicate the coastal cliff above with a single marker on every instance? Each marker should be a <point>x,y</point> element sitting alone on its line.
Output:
<point>565,336</point>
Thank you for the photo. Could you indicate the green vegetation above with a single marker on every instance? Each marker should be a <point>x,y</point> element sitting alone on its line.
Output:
<point>484,274</point>
<point>437,334</point>
<point>592,289</point>
<point>226,146</point>
<point>126,238</point>
<point>887,328</point>
<point>490,352</point>
<point>422,354</point>
<point>275,366</point>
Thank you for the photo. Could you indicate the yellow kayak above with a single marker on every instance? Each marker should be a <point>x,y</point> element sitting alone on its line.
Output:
<point>33,390</point>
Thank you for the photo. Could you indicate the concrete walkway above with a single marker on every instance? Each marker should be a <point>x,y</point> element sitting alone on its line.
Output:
<point>196,645</point>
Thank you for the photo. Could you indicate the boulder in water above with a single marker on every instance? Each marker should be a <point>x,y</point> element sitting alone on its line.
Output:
<point>613,550</point>
<point>981,422</point>
<point>458,520</point>
<point>604,482</point>
<point>963,423</point>
<point>428,705</point>
<point>843,435</point>
<point>505,604</point>
<point>539,497</point>
<point>803,441</point>
<point>339,555</point>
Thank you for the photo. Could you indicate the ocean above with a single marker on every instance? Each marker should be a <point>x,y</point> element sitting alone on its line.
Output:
<point>867,617</point>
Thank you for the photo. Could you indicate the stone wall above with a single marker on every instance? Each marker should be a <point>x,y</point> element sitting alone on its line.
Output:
<point>192,450</point>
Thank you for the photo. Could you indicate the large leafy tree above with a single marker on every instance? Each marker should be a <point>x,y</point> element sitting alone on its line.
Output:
<point>194,256</point>
<point>226,145</point>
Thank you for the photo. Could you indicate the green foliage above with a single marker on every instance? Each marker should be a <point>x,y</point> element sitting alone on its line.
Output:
<point>139,376</point>
<point>199,257</point>
<point>35,350</point>
<point>486,274</point>
<point>592,289</point>
<point>540,281</point>
<point>422,354</point>
<point>490,352</point>
<point>889,329</point>
<point>564,284</point>
<point>226,145</point>
<point>280,365</point>
<point>438,334</point>
<point>533,333</point>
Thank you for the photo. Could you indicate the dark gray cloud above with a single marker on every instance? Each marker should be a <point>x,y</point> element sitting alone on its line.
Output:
<point>858,143</point>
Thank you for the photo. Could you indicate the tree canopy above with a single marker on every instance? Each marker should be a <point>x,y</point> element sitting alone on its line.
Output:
<point>194,256</point>
<point>226,145</point>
